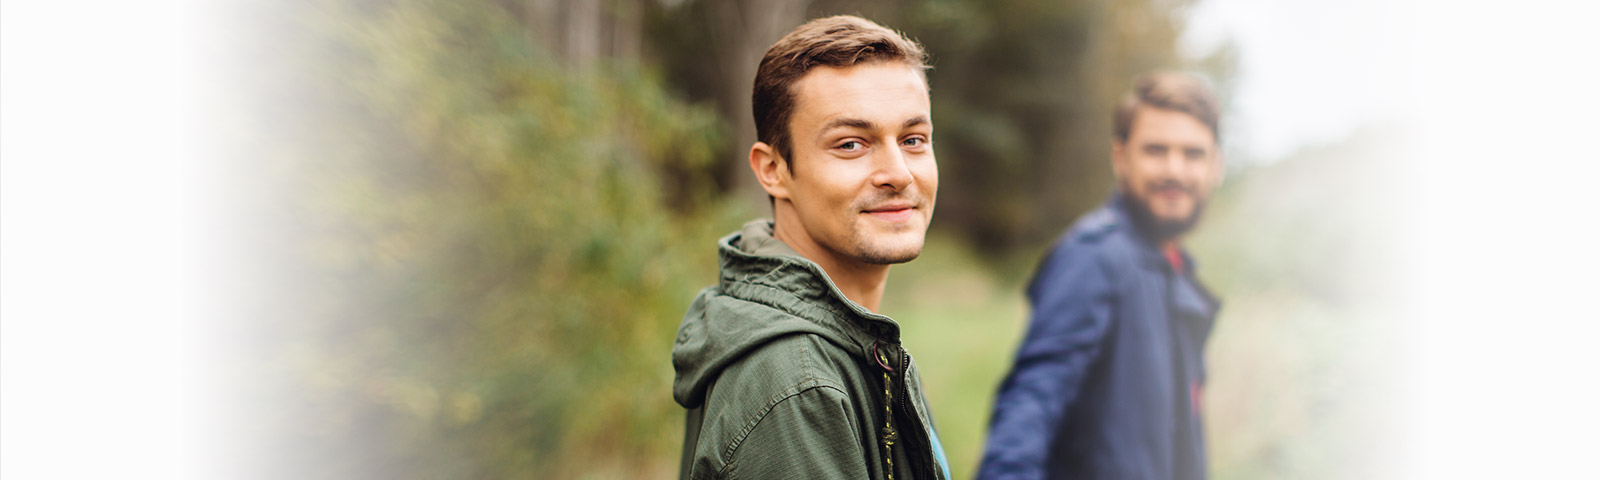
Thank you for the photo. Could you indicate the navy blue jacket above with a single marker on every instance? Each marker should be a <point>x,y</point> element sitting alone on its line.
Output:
<point>1106,384</point>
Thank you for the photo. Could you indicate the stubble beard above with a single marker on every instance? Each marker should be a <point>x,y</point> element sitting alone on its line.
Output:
<point>871,254</point>
<point>866,251</point>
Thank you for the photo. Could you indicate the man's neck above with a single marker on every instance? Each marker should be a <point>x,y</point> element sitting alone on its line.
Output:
<point>860,282</point>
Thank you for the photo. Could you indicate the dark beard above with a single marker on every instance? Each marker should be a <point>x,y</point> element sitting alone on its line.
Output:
<point>1159,230</point>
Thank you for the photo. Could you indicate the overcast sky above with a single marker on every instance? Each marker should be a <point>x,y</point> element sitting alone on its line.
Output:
<point>1309,71</point>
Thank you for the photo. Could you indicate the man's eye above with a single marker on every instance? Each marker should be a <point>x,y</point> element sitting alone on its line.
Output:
<point>850,146</point>
<point>915,141</point>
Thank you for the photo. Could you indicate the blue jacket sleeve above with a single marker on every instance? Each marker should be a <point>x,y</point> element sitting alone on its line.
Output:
<point>1072,298</point>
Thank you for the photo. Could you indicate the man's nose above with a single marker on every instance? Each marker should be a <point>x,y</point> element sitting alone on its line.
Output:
<point>1173,161</point>
<point>892,170</point>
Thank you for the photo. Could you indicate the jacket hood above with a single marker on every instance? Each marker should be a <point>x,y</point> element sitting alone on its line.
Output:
<point>765,291</point>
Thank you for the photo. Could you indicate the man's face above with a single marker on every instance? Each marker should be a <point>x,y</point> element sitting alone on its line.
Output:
<point>1167,168</point>
<point>864,176</point>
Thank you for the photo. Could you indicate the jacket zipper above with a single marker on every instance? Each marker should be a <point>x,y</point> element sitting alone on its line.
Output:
<point>918,434</point>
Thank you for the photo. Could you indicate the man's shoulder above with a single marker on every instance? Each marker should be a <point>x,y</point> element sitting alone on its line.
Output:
<point>800,372</point>
<point>1099,245</point>
<point>1101,235</point>
<point>1099,227</point>
<point>784,366</point>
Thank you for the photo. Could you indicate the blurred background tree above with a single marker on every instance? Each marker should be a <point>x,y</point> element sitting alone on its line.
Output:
<point>492,268</point>
<point>1023,89</point>
<point>494,212</point>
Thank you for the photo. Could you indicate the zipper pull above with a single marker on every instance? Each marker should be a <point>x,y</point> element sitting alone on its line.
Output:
<point>883,361</point>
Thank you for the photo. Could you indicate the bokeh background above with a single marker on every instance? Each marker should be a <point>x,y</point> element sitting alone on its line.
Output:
<point>489,217</point>
<point>453,239</point>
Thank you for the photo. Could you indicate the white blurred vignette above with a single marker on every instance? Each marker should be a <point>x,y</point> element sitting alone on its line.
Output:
<point>109,253</point>
<point>103,200</point>
<point>1502,253</point>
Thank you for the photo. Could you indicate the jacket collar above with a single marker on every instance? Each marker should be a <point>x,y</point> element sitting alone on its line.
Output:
<point>1149,252</point>
<point>1150,257</point>
<point>757,267</point>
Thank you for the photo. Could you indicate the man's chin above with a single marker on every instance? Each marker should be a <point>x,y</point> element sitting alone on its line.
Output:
<point>1173,220</point>
<point>889,251</point>
<point>1170,211</point>
<point>888,258</point>
<point>1170,222</point>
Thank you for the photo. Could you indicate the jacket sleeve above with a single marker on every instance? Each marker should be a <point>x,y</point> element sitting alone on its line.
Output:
<point>812,434</point>
<point>1073,300</point>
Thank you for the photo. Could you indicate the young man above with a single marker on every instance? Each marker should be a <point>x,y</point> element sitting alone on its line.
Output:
<point>785,366</point>
<point>1107,380</point>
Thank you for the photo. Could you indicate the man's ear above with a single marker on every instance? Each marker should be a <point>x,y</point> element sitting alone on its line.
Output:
<point>1222,171</point>
<point>771,169</point>
<point>1119,157</point>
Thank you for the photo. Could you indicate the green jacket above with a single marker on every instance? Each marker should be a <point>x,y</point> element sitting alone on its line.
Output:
<point>784,377</point>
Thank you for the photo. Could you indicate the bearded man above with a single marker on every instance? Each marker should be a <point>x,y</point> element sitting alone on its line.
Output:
<point>1107,382</point>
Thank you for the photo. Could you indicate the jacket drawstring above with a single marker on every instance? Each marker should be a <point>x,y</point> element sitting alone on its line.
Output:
<point>889,435</point>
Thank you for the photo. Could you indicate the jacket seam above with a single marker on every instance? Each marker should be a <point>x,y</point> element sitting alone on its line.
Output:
<point>731,451</point>
<point>808,381</point>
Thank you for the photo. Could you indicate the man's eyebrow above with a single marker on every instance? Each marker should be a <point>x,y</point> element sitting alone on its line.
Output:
<point>848,123</point>
<point>915,121</point>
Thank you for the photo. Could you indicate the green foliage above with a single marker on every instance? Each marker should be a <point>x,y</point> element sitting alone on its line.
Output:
<point>493,278</point>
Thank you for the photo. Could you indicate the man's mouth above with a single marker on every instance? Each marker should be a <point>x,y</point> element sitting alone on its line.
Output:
<point>1170,191</point>
<point>892,212</point>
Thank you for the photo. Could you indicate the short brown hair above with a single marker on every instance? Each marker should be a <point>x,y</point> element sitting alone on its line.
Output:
<point>1168,91</point>
<point>838,41</point>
